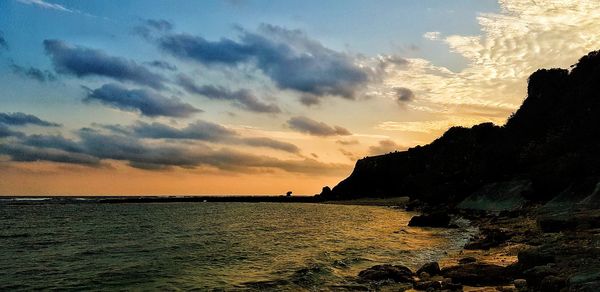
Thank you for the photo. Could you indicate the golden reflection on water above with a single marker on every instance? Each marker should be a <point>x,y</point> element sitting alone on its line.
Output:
<point>209,245</point>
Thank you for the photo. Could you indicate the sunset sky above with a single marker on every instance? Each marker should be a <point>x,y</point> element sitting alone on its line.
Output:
<point>256,97</point>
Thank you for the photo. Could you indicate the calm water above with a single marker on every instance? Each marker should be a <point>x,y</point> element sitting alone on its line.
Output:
<point>230,246</point>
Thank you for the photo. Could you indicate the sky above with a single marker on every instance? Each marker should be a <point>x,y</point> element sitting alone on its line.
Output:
<point>183,97</point>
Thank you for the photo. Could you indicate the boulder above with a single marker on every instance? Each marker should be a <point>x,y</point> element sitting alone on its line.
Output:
<point>387,272</point>
<point>478,274</point>
<point>432,268</point>
<point>553,284</point>
<point>440,219</point>
<point>428,285</point>
<point>537,274</point>
<point>492,238</point>
<point>532,257</point>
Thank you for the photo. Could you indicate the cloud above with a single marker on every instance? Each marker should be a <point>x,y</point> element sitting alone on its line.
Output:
<point>312,127</point>
<point>202,131</point>
<point>140,100</point>
<point>6,132</point>
<point>151,26</point>
<point>310,99</point>
<point>347,142</point>
<point>521,38</point>
<point>270,143</point>
<point>33,73</point>
<point>242,98</point>
<point>384,146</point>
<point>46,5</point>
<point>199,130</point>
<point>82,62</point>
<point>432,35</point>
<point>159,24</point>
<point>3,42</point>
<point>288,57</point>
<point>21,119</point>
<point>162,65</point>
<point>404,94</point>
<point>23,153</point>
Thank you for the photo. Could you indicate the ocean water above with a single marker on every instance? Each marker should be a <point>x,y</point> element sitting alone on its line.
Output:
<point>206,246</point>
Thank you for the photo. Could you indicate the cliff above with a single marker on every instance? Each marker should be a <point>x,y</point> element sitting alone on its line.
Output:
<point>548,149</point>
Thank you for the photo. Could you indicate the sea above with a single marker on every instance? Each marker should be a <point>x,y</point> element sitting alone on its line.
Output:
<point>81,244</point>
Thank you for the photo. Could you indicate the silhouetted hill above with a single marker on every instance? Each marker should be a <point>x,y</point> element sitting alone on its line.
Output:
<point>548,147</point>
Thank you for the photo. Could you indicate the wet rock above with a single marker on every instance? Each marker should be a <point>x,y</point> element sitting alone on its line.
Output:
<point>449,286</point>
<point>520,284</point>
<point>477,274</point>
<point>467,260</point>
<point>553,284</point>
<point>555,224</point>
<point>535,275</point>
<point>387,272</point>
<point>492,238</point>
<point>439,219</point>
<point>428,285</point>
<point>534,257</point>
<point>432,268</point>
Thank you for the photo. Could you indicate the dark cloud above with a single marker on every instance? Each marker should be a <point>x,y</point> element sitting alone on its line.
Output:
<point>54,142</point>
<point>6,132</point>
<point>404,94</point>
<point>270,143</point>
<point>146,102</point>
<point>384,146</point>
<point>310,99</point>
<point>93,146</point>
<point>3,42</point>
<point>242,98</point>
<point>288,57</point>
<point>199,130</point>
<point>24,153</point>
<point>33,73</point>
<point>202,131</point>
<point>163,65</point>
<point>21,119</point>
<point>83,62</point>
<point>312,127</point>
<point>134,151</point>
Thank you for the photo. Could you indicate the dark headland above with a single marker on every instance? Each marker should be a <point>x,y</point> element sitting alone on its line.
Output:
<point>532,186</point>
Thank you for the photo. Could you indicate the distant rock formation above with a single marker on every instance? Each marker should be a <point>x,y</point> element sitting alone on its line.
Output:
<point>549,148</point>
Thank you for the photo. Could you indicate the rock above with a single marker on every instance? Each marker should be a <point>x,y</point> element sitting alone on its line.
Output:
<point>520,284</point>
<point>467,260</point>
<point>477,274</point>
<point>535,275</point>
<point>428,285</point>
<point>449,286</point>
<point>534,257</point>
<point>387,272</point>
<point>498,196</point>
<point>432,268</point>
<point>556,224</point>
<point>424,276</point>
<point>493,238</point>
<point>553,284</point>
<point>439,219</point>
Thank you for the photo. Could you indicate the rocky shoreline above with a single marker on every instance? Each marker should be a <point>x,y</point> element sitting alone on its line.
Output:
<point>525,250</point>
